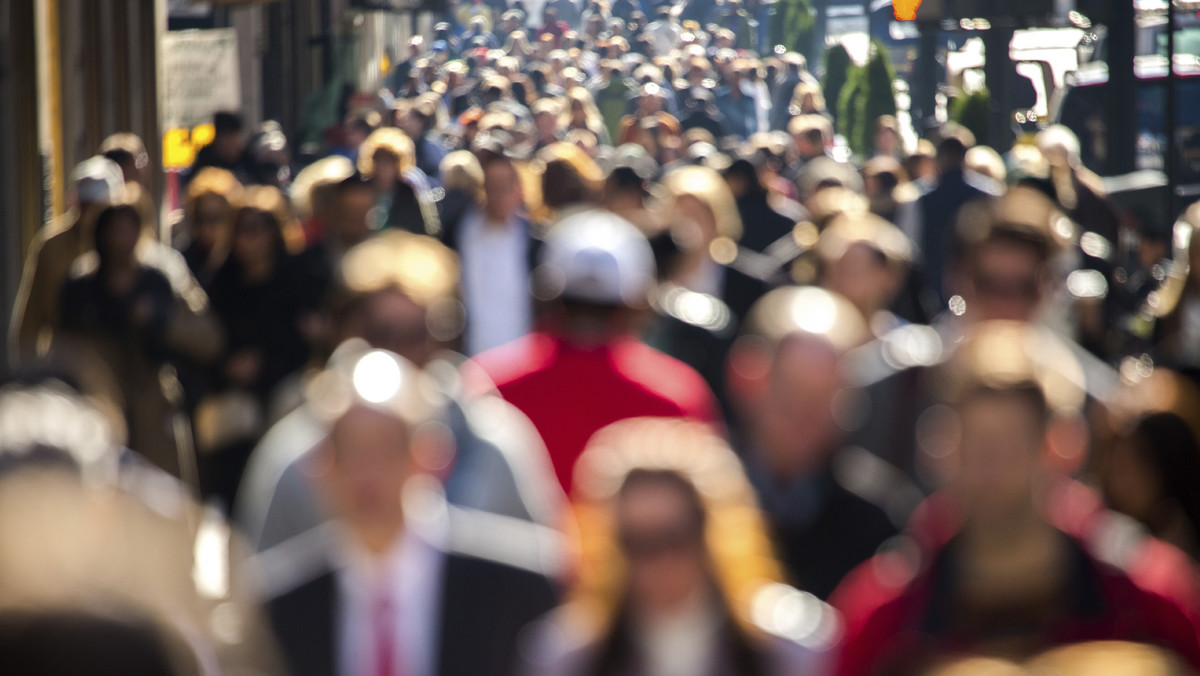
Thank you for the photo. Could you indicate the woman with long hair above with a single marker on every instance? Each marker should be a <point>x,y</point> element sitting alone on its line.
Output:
<point>261,300</point>
<point>389,159</point>
<point>580,112</point>
<point>676,575</point>
<point>121,317</point>
<point>1152,474</point>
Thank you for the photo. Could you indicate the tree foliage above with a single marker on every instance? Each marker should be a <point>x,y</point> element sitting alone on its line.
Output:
<point>837,73</point>
<point>868,94</point>
<point>971,111</point>
<point>790,24</point>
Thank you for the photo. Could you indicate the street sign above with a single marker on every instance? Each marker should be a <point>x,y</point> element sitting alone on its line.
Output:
<point>200,76</point>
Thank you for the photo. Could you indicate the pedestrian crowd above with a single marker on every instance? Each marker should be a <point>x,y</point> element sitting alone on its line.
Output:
<point>585,346</point>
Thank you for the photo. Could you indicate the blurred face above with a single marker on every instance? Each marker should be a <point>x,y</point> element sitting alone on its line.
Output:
<point>796,420</point>
<point>663,547</point>
<point>998,456</point>
<point>253,241</point>
<point>547,126</point>
<point>887,142</point>
<point>806,148</point>
<point>121,239</point>
<point>862,276</point>
<point>209,221</point>
<point>369,465</point>
<point>693,211</point>
<point>393,321</point>
<point>502,190</point>
<point>578,113</point>
<point>353,223</point>
<point>387,169</point>
<point>412,124</point>
<point>231,145</point>
<point>1005,283</point>
<point>649,105</point>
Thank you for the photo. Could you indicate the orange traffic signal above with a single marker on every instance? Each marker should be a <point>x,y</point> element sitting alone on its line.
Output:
<point>906,10</point>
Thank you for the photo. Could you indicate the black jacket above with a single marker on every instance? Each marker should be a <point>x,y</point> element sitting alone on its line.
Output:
<point>825,526</point>
<point>484,606</point>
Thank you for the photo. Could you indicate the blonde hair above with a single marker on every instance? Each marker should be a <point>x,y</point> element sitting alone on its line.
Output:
<point>460,170</point>
<point>591,115</point>
<point>419,266</point>
<point>215,182</point>
<point>707,186</point>
<point>805,89</point>
<point>269,200</point>
<point>391,140</point>
<point>738,547</point>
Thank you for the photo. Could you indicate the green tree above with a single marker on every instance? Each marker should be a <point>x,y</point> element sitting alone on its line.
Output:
<point>869,94</point>
<point>789,24</point>
<point>837,73</point>
<point>971,111</point>
<point>847,101</point>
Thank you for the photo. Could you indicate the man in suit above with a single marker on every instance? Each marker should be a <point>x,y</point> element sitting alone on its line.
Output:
<point>830,506</point>
<point>396,584</point>
<point>397,293</point>
<point>497,247</point>
<point>932,224</point>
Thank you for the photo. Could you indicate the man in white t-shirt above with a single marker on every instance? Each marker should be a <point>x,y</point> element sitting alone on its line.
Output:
<point>495,244</point>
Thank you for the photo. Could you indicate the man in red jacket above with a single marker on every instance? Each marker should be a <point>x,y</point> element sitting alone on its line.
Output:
<point>587,368</point>
<point>1013,557</point>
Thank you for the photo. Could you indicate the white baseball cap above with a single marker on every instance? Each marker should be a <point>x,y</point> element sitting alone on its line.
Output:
<point>598,257</point>
<point>98,180</point>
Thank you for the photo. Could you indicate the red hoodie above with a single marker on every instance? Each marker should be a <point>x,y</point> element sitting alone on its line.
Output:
<point>1129,587</point>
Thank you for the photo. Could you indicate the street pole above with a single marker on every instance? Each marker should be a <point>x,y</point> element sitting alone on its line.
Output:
<point>1169,151</point>
<point>1121,120</point>
<point>998,72</point>
<point>925,78</point>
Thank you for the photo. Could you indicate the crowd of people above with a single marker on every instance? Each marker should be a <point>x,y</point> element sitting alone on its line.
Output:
<point>586,347</point>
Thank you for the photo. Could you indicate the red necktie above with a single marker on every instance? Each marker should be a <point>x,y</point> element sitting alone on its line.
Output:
<point>385,636</point>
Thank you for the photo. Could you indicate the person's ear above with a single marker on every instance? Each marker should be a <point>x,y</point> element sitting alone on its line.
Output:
<point>1066,445</point>
<point>433,450</point>
<point>748,371</point>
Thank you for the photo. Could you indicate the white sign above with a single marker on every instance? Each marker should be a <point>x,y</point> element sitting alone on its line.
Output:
<point>200,76</point>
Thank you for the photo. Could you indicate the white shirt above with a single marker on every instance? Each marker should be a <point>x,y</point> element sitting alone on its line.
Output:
<point>683,644</point>
<point>412,575</point>
<point>495,272</point>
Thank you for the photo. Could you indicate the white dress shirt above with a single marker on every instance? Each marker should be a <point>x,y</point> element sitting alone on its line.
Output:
<point>682,644</point>
<point>495,272</point>
<point>411,573</point>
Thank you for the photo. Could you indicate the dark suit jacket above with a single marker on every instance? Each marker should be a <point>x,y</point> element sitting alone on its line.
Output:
<point>824,526</point>
<point>484,606</point>
<point>939,211</point>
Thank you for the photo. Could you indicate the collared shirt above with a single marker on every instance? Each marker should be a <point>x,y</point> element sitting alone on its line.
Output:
<point>495,271</point>
<point>683,644</point>
<point>410,574</point>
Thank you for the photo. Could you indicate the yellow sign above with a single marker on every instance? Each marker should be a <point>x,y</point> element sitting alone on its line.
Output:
<point>180,145</point>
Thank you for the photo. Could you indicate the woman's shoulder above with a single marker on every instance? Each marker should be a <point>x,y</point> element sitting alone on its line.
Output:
<point>558,644</point>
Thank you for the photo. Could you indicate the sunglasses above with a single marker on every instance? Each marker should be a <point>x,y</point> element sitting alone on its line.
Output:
<point>650,545</point>
<point>995,286</point>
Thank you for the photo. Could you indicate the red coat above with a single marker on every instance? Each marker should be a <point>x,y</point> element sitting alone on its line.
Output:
<point>570,393</point>
<point>1138,589</point>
